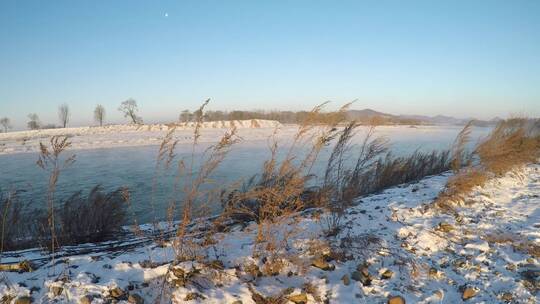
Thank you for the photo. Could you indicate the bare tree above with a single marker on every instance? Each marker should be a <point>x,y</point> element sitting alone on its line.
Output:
<point>185,116</point>
<point>6,123</point>
<point>63,114</point>
<point>34,123</point>
<point>99,114</point>
<point>130,109</point>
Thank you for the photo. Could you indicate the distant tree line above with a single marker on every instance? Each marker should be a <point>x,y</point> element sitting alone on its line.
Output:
<point>281,116</point>
<point>129,109</point>
<point>291,117</point>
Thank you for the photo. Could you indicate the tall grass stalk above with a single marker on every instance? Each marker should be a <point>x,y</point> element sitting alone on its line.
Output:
<point>50,160</point>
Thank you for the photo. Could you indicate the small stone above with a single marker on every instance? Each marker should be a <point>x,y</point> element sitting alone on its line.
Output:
<point>362,278</point>
<point>320,263</point>
<point>459,263</point>
<point>387,274</point>
<point>116,292</point>
<point>288,291</point>
<point>178,272</point>
<point>56,290</point>
<point>178,282</point>
<point>433,273</point>
<point>87,299</point>
<point>396,300</point>
<point>444,227</point>
<point>507,297</point>
<point>363,268</point>
<point>346,280</point>
<point>298,299</point>
<point>468,292</point>
<point>23,300</point>
<point>25,266</point>
<point>135,299</point>
<point>194,296</point>
<point>253,270</point>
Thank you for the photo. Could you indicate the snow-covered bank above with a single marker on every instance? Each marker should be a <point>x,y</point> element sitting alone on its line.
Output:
<point>399,248</point>
<point>130,135</point>
<point>115,136</point>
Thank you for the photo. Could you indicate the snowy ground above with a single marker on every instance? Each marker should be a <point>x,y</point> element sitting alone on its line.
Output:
<point>131,135</point>
<point>401,136</point>
<point>398,247</point>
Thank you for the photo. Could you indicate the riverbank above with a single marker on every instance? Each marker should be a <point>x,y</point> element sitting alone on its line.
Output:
<point>123,136</point>
<point>112,136</point>
<point>393,245</point>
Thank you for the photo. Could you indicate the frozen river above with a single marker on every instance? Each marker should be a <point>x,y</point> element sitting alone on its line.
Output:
<point>134,167</point>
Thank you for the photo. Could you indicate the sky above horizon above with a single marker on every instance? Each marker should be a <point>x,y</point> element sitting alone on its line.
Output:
<point>460,58</point>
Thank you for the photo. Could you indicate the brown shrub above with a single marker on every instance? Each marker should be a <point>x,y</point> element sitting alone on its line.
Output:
<point>512,143</point>
<point>14,222</point>
<point>275,196</point>
<point>96,218</point>
<point>459,185</point>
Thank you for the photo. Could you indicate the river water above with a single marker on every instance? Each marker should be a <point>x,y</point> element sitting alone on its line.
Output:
<point>135,167</point>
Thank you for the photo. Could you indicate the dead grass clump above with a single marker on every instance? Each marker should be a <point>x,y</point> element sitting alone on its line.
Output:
<point>519,243</point>
<point>273,198</point>
<point>273,266</point>
<point>77,220</point>
<point>359,246</point>
<point>459,185</point>
<point>391,171</point>
<point>512,143</point>
<point>14,222</point>
<point>374,169</point>
<point>94,218</point>
<point>460,156</point>
<point>190,201</point>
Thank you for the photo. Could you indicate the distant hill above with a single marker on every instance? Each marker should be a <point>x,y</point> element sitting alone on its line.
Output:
<point>366,114</point>
<point>369,114</point>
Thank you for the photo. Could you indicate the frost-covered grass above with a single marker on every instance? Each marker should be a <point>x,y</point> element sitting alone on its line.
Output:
<point>393,242</point>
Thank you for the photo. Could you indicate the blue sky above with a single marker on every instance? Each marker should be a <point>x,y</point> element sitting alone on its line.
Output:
<point>461,58</point>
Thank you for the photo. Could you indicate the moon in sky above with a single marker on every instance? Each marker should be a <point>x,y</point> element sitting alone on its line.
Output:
<point>166,14</point>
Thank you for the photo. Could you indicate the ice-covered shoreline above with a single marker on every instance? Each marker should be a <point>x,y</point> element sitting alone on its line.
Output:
<point>115,136</point>
<point>112,136</point>
<point>417,253</point>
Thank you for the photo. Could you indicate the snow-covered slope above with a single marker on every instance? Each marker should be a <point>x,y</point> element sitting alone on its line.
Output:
<point>128,135</point>
<point>400,248</point>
